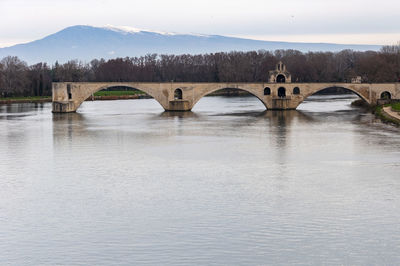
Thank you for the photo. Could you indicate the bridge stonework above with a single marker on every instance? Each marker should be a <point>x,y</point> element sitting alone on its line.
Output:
<point>68,96</point>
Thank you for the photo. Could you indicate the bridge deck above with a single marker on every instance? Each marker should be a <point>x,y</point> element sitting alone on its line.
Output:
<point>182,96</point>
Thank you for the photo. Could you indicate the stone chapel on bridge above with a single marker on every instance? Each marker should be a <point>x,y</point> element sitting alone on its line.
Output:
<point>280,74</point>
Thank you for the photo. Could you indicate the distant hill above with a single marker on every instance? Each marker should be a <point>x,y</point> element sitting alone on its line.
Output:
<point>86,43</point>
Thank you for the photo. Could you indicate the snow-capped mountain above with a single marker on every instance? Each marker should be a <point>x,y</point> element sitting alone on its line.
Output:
<point>86,43</point>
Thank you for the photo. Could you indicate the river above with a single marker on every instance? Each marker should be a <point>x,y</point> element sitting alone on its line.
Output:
<point>123,183</point>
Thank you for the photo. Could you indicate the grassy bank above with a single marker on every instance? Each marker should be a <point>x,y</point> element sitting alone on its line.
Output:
<point>379,112</point>
<point>31,98</point>
<point>100,95</point>
<point>28,99</point>
<point>396,107</point>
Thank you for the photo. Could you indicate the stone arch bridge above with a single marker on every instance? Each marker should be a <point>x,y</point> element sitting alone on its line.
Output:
<point>68,96</point>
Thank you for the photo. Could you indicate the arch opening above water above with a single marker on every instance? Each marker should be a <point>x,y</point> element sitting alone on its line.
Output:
<point>229,92</point>
<point>267,91</point>
<point>296,91</point>
<point>339,91</point>
<point>114,92</point>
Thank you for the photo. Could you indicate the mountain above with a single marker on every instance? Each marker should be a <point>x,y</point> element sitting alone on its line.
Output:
<point>86,43</point>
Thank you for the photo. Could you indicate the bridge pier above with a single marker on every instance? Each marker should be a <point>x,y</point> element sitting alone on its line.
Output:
<point>179,106</point>
<point>283,103</point>
<point>64,107</point>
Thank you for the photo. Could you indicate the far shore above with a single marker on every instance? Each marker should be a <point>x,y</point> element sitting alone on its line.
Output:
<point>29,99</point>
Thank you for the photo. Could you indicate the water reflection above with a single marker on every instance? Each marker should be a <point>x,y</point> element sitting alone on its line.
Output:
<point>173,114</point>
<point>21,108</point>
<point>67,126</point>
<point>229,183</point>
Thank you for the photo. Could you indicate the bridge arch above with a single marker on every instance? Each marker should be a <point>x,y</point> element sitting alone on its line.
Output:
<point>267,91</point>
<point>107,87</point>
<point>91,90</point>
<point>296,90</point>
<point>209,91</point>
<point>345,88</point>
<point>119,88</point>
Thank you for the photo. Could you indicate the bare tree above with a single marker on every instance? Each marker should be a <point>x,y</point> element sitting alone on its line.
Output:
<point>40,79</point>
<point>383,66</point>
<point>2,89</point>
<point>15,75</point>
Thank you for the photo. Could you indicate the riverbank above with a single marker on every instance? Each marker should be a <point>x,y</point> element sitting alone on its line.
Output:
<point>389,113</point>
<point>32,99</point>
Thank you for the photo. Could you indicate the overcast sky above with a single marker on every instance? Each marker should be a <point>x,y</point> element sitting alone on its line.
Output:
<point>338,21</point>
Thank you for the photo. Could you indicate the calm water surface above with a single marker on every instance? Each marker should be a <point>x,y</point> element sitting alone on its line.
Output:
<point>122,183</point>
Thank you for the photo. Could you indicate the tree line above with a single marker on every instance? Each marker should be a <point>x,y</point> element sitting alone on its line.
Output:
<point>19,79</point>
